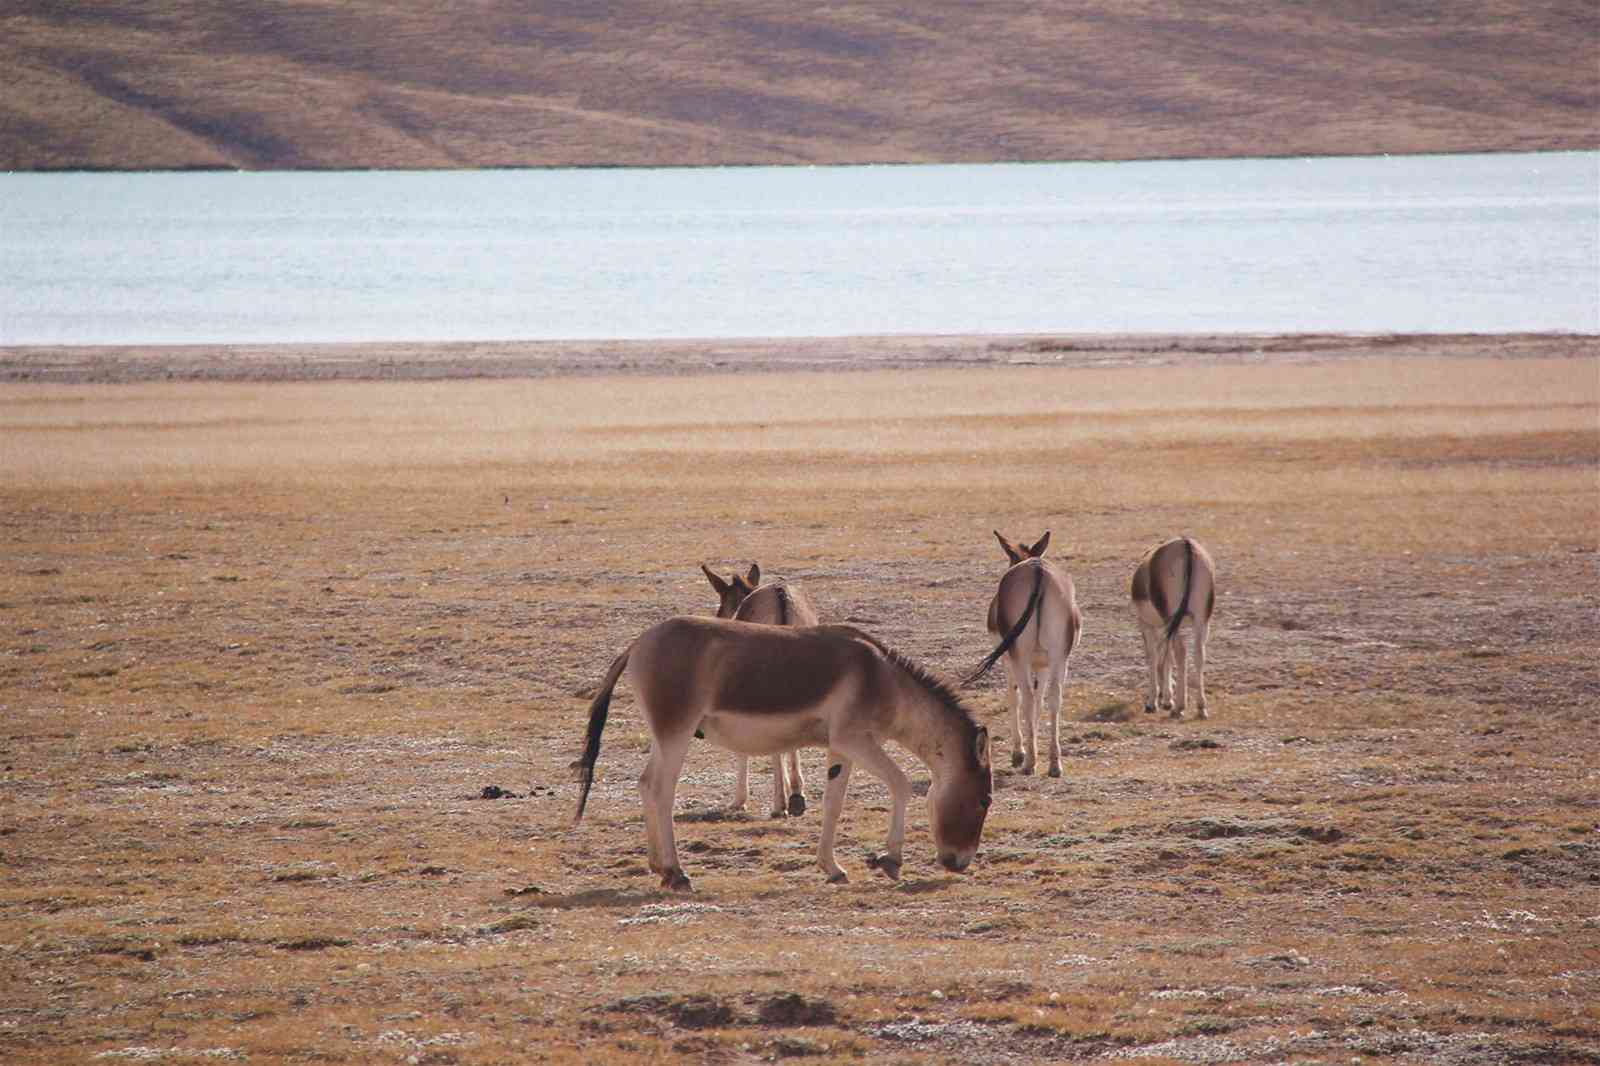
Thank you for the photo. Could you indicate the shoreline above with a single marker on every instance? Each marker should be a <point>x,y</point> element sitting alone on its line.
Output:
<point>1372,153</point>
<point>435,361</point>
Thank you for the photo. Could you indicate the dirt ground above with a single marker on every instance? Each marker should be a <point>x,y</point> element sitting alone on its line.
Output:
<point>268,643</point>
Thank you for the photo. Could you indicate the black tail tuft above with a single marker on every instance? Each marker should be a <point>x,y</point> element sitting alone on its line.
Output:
<point>597,724</point>
<point>1012,634</point>
<point>1188,579</point>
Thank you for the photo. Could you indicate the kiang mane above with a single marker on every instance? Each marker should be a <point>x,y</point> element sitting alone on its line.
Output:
<point>930,681</point>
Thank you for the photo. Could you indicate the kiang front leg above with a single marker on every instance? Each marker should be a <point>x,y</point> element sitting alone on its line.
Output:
<point>867,752</point>
<point>832,803</point>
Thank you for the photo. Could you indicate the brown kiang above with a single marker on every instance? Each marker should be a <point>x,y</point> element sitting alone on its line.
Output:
<point>777,603</point>
<point>763,690</point>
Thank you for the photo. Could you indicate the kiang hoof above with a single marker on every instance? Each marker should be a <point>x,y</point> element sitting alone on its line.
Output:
<point>838,879</point>
<point>797,805</point>
<point>1016,758</point>
<point>675,881</point>
<point>1055,771</point>
<point>778,812</point>
<point>1149,708</point>
<point>1176,714</point>
<point>887,865</point>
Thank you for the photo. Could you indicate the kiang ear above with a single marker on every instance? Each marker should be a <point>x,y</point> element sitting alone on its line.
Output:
<point>1038,549</point>
<point>755,575</point>
<point>980,747</point>
<point>1010,549</point>
<point>716,582</point>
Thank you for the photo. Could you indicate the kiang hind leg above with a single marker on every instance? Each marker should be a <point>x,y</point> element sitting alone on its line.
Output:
<point>741,782</point>
<point>1163,671</point>
<point>658,786</point>
<point>1027,712</point>
<point>1152,660</point>
<point>1052,699</point>
<point>652,830</point>
<point>1180,679</point>
<point>797,783</point>
<point>1014,705</point>
<point>779,793</point>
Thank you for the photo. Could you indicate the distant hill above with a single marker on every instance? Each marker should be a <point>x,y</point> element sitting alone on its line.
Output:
<point>401,83</point>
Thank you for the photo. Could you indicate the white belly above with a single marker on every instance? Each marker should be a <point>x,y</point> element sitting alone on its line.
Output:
<point>765,734</point>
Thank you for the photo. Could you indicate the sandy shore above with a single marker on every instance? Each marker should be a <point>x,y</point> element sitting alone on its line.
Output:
<point>537,359</point>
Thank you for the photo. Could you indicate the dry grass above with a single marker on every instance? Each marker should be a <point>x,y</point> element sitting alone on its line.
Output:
<point>379,83</point>
<point>263,646</point>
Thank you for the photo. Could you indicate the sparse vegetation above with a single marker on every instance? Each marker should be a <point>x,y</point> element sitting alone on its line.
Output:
<point>252,819</point>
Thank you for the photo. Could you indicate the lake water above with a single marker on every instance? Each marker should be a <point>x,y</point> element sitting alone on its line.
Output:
<point>1463,243</point>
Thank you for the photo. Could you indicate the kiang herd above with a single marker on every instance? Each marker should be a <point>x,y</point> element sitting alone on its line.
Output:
<point>763,677</point>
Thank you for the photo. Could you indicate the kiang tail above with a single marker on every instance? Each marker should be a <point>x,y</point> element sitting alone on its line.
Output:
<point>1012,634</point>
<point>597,724</point>
<point>1188,579</point>
<point>783,605</point>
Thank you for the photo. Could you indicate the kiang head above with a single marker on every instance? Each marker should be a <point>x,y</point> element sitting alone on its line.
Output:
<point>1017,553</point>
<point>959,801</point>
<point>733,590</point>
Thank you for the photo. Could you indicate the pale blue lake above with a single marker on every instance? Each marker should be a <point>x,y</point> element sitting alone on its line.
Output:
<point>1466,243</point>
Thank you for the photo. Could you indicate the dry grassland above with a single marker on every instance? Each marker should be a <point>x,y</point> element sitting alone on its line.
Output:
<point>264,646</point>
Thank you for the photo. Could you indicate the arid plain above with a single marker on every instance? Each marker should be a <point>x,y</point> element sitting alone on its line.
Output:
<point>265,646</point>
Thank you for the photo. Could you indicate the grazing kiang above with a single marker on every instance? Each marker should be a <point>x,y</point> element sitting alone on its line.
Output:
<point>1174,582</point>
<point>762,690</point>
<point>1036,609</point>
<point>777,603</point>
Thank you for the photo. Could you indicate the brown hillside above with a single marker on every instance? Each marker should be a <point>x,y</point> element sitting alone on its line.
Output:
<point>379,83</point>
